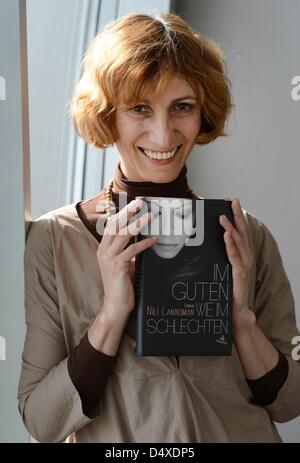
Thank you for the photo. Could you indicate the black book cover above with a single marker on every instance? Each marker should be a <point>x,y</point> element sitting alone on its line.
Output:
<point>183,283</point>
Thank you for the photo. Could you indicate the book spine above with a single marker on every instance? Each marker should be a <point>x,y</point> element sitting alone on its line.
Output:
<point>138,305</point>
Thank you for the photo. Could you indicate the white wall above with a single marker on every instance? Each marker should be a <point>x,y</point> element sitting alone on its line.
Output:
<point>12,231</point>
<point>57,29</point>
<point>63,168</point>
<point>259,163</point>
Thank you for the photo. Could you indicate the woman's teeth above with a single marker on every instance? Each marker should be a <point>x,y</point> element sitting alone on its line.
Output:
<point>157,155</point>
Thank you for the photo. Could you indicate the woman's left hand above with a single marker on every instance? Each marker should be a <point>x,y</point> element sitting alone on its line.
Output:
<point>241,259</point>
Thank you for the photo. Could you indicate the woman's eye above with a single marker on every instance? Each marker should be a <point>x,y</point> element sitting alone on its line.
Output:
<point>184,214</point>
<point>180,214</point>
<point>138,109</point>
<point>184,106</point>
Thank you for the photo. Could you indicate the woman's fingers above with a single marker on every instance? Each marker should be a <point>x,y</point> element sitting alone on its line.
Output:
<point>116,222</point>
<point>127,212</point>
<point>127,232</point>
<point>129,253</point>
<point>239,219</point>
<point>238,232</point>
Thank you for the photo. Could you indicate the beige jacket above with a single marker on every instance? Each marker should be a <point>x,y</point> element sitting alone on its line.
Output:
<point>150,399</point>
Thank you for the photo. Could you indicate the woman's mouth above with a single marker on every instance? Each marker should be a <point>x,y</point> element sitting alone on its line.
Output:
<point>158,157</point>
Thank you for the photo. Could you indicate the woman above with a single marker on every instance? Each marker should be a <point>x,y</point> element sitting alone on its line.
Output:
<point>154,87</point>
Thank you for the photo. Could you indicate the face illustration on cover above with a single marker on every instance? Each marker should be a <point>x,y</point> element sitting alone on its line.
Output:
<point>172,223</point>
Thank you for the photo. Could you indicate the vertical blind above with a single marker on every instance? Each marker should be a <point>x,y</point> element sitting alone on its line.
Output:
<point>64,169</point>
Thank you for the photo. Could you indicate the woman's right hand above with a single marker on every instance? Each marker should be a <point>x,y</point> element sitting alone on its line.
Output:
<point>117,263</point>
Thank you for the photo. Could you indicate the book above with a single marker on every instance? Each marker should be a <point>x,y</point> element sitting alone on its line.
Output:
<point>183,282</point>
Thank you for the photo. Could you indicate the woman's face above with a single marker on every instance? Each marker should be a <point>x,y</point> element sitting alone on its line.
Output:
<point>172,223</point>
<point>160,125</point>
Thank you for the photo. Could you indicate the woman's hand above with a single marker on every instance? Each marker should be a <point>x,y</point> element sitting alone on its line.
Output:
<point>117,263</point>
<point>241,259</point>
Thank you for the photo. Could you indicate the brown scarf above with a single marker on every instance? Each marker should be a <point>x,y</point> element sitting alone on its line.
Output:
<point>177,188</point>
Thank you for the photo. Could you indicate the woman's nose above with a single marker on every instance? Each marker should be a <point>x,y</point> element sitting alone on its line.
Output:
<point>162,133</point>
<point>167,223</point>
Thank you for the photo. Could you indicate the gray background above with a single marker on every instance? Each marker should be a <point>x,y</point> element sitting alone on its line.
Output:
<point>12,233</point>
<point>259,162</point>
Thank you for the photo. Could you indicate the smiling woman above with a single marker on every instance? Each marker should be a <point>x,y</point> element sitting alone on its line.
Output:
<point>155,97</point>
<point>155,143</point>
<point>154,87</point>
<point>137,56</point>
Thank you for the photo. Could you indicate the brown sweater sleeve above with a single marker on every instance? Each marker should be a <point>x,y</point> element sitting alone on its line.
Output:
<point>89,370</point>
<point>266,388</point>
